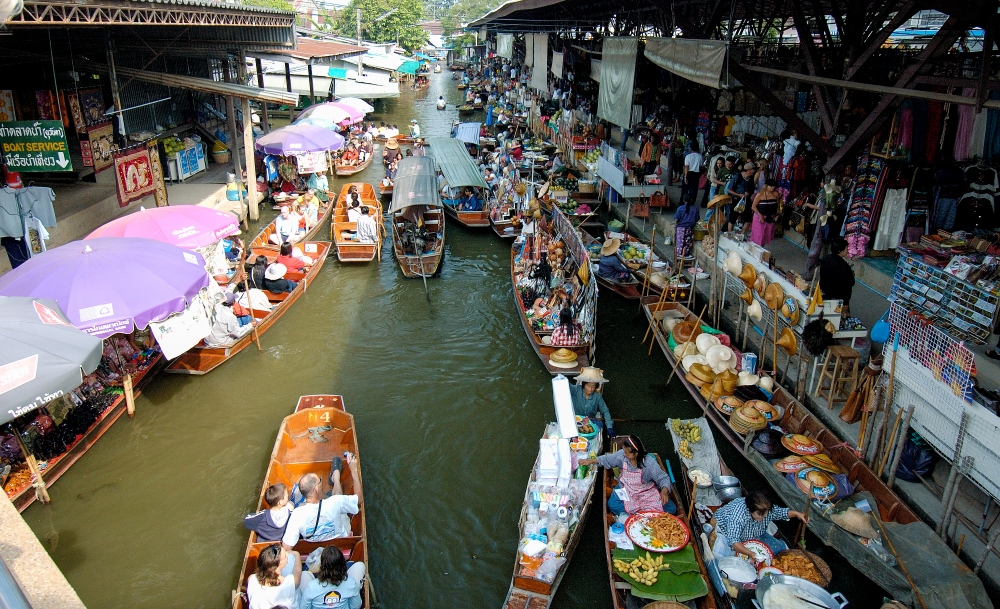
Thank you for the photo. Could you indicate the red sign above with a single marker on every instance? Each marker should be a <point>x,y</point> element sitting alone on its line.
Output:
<point>15,374</point>
<point>47,315</point>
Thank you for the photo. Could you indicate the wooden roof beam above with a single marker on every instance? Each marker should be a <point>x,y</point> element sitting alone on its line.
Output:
<point>906,10</point>
<point>812,61</point>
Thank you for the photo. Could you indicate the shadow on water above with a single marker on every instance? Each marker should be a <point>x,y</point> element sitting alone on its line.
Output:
<point>449,401</point>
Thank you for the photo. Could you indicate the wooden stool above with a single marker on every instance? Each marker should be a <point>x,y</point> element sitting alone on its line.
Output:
<point>843,374</point>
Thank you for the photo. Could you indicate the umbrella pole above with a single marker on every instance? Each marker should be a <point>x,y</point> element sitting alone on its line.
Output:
<point>253,319</point>
<point>41,492</point>
<point>126,385</point>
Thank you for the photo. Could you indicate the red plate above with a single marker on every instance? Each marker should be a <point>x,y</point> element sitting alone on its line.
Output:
<point>637,529</point>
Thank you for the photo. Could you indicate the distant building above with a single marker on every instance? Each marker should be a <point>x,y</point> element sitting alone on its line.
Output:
<point>317,14</point>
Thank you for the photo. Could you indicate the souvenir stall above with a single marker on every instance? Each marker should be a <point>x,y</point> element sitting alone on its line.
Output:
<point>134,285</point>
<point>557,499</point>
<point>25,212</point>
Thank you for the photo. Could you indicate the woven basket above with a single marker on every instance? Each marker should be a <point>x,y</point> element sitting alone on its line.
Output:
<point>822,568</point>
<point>665,605</point>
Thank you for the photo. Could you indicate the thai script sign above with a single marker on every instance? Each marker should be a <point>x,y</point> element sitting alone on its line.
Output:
<point>35,146</point>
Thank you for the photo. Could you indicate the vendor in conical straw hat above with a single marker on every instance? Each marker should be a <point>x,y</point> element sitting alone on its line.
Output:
<point>587,401</point>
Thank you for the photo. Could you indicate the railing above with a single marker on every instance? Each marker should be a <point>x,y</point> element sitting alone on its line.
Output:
<point>11,595</point>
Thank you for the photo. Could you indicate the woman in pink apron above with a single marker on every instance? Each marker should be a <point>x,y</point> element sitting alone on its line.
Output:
<point>642,484</point>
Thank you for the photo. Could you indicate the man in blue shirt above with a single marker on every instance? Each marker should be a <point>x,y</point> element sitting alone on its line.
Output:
<point>611,267</point>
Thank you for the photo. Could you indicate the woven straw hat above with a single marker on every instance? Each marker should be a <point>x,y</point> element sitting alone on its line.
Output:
<point>748,275</point>
<point>855,521</point>
<point>563,358</point>
<point>733,263</point>
<point>790,464</point>
<point>589,374</point>
<point>275,271</point>
<point>746,378</point>
<point>823,462</point>
<point>719,200</point>
<point>754,311</point>
<point>392,144</point>
<point>704,342</point>
<point>703,372</point>
<point>801,445</point>
<point>691,360</point>
<point>610,247</point>
<point>683,350</point>
<point>774,296</point>
<point>766,383</point>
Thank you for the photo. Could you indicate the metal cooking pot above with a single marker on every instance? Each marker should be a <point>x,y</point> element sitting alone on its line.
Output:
<point>720,482</point>
<point>729,493</point>
<point>832,601</point>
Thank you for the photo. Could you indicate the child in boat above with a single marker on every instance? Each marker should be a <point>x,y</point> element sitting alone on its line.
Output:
<point>270,524</point>
<point>338,583</point>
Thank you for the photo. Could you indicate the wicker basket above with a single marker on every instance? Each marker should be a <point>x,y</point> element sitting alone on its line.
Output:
<point>587,186</point>
<point>825,574</point>
<point>665,605</point>
<point>221,157</point>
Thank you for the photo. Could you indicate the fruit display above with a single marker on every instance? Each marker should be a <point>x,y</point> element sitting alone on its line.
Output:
<point>566,183</point>
<point>690,433</point>
<point>591,157</point>
<point>631,252</point>
<point>643,569</point>
<point>172,145</point>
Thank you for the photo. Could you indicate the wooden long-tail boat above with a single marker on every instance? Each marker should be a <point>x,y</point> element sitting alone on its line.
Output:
<point>342,229</point>
<point>295,454</point>
<point>620,588</point>
<point>263,238</point>
<point>502,220</point>
<point>460,171</point>
<point>349,170</point>
<point>384,190</point>
<point>57,466</point>
<point>943,580</point>
<point>470,219</point>
<point>202,359</point>
<point>418,222</point>
<point>527,591</point>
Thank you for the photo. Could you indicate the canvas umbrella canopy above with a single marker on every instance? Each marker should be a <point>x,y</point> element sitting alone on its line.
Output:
<point>186,226</point>
<point>299,139</point>
<point>112,285</point>
<point>333,111</point>
<point>354,102</point>
<point>318,122</point>
<point>43,358</point>
<point>356,115</point>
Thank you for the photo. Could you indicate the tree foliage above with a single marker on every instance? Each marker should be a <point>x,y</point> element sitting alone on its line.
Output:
<point>404,22</point>
<point>462,12</point>
<point>283,5</point>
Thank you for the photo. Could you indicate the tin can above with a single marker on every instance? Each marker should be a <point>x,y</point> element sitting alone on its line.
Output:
<point>749,363</point>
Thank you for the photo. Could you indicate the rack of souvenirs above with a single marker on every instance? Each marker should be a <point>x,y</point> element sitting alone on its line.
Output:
<point>957,292</point>
<point>61,431</point>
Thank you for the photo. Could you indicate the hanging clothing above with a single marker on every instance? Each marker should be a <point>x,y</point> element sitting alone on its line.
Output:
<point>963,132</point>
<point>35,235</point>
<point>892,220</point>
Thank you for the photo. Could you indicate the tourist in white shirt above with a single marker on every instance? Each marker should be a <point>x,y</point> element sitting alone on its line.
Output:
<point>366,228</point>
<point>286,228</point>
<point>692,173</point>
<point>319,518</point>
<point>277,579</point>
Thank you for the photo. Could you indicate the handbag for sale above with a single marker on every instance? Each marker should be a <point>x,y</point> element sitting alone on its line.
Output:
<point>640,209</point>
<point>659,199</point>
<point>703,181</point>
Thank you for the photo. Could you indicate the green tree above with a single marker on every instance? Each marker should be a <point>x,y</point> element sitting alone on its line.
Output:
<point>402,22</point>
<point>283,5</point>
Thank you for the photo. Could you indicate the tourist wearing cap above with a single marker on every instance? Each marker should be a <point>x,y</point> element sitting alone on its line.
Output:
<point>747,518</point>
<point>643,484</point>
<point>587,400</point>
<point>414,128</point>
<point>274,279</point>
<point>418,147</point>
<point>611,267</point>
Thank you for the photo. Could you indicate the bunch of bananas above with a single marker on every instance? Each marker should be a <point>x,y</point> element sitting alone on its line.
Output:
<point>685,449</point>
<point>643,569</point>
<point>688,431</point>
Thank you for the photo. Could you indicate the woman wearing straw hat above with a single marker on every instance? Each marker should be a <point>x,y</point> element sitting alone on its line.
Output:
<point>587,401</point>
<point>611,267</point>
<point>643,484</point>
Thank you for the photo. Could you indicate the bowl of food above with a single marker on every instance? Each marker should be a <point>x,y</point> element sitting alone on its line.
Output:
<point>700,477</point>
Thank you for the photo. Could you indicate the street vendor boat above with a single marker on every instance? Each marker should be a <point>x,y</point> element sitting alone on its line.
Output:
<point>460,171</point>
<point>308,440</point>
<point>942,579</point>
<point>342,230</point>
<point>349,170</point>
<point>628,288</point>
<point>263,238</point>
<point>690,582</point>
<point>437,69</point>
<point>502,219</point>
<point>202,359</point>
<point>466,109</point>
<point>538,328</point>
<point>24,495</point>
<point>417,218</point>
<point>530,588</point>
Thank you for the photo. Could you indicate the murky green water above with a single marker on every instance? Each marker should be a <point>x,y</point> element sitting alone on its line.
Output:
<point>449,400</point>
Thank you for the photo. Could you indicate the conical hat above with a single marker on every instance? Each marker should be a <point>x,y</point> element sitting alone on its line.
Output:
<point>855,521</point>
<point>755,311</point>
<point>774,296</point>
<point>747,378</point>
<point>748,275</point>
<point>788,342</point>
<point>589,374</point>
<point>747,296</point>
<point>801,445</point>
<point>563,358</point>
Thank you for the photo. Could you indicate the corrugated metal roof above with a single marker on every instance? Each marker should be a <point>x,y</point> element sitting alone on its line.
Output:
<point>214,4</point>
<point>455,162</point>
<point>468,133</point>
<point>416,184</point>
<point>308,48</point>
<point>385,62</point>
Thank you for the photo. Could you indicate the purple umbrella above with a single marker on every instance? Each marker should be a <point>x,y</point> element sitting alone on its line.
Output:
<point>111,284</point>
<point>298,139</point>
<point>187,226</point>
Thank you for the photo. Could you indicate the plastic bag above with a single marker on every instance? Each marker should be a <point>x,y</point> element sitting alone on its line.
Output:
<point>547,572</point>
<point>917,458</point>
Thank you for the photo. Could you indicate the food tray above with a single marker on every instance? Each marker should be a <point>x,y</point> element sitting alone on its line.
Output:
<point>637,529</point>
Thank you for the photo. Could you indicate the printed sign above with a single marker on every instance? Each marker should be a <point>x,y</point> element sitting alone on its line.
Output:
<point>47,315</point>
<point>15,374</point>
<point>35,146</point>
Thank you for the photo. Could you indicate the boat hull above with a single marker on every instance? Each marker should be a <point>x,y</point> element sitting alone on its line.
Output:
<point>263,238</point>
<point>349,170</point>
<point>349,250</point>
<point>428,263</point>
<point>469,219</point>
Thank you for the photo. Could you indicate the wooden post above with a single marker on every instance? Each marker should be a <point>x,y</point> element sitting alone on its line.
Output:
<point>288,87</point>
<point>41,493</point>
<point>234,135</point>
<point>113,78</point>
<point>129,395</point>
<point>253,209</point>
<point>265,124</point>
<point>312,91</point>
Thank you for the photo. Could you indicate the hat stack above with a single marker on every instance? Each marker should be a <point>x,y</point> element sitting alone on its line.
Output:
<point>690,360</point>
<point>721,357</point>
<point>770,412</point>
<point>727,404</point>
<point>823,462</point>
<point>700,375</point>
<point>746,419</point>
<point>685,331</point>
<point>563,358</point>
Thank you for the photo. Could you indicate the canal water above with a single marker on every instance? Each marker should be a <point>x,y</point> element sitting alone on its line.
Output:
<point>449,400</point>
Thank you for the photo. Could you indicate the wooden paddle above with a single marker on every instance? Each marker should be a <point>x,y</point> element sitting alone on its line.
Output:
<point>654,315</point>
<point>677,360</point>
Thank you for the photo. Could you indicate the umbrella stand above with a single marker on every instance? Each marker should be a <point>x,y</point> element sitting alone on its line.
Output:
<point>126,384</point>
<point>41,493</point>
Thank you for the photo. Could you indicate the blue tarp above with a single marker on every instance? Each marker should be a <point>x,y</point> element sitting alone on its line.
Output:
<point>410,67</point>
<point>422,56</point>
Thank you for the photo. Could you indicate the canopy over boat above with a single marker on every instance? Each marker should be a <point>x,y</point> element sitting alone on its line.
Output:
<point>455,163</point>
<point>468,133</point>
<point>416,184</point>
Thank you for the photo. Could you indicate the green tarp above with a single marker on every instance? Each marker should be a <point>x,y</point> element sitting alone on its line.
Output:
<point>409,67</point>
<point>455,163</point>
<point>416,184</point>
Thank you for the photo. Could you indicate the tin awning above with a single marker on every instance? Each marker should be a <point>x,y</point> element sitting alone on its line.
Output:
<point>455,162</point>
<point>416,184</point>
<point>468,133</point>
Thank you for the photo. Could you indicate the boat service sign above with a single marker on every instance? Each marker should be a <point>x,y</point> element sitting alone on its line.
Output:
<point>35,146</point>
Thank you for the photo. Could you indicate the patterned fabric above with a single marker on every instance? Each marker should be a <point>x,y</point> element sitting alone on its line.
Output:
<point>7,106</point>
<point>736,523</point>
<point>160,194</point>
<point>684,241</point>
<point>642,496</point>
<point>92,105</point>
<point>76,112</point>
<point>133,175</point>
<point>102,145</point>
<point>567,335</point>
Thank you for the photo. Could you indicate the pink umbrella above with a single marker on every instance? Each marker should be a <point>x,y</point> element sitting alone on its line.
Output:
<point>186,226</point>
<point>337,112</point>
<point>356,115</point>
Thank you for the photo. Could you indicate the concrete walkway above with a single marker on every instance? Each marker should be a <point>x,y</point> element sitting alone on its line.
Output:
<point>868,302</point>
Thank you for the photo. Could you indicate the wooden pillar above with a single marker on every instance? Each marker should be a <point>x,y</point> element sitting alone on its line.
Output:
<point>288,87</point>
<point>113,77</point>
<point>234,135</point>
<point>265,125</point>
<point>248,149</point>
<point>312,91</point>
